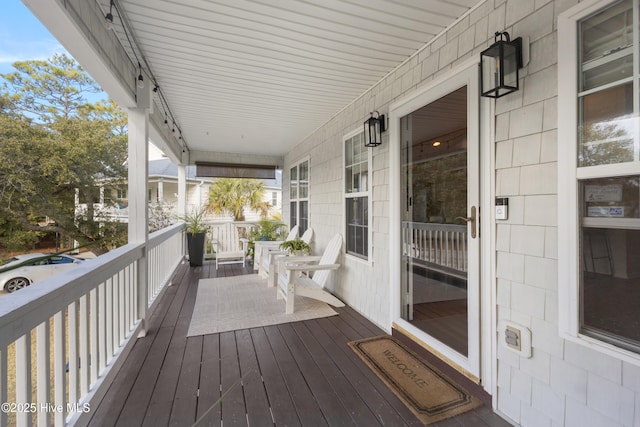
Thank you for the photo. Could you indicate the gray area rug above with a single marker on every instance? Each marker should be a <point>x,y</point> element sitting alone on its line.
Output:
<point>241,302</point>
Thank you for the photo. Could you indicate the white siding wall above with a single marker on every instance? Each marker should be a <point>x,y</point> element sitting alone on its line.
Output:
<point>563,383</point>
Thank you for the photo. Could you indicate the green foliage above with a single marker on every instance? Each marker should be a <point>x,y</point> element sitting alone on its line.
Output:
<point>266,230</point>
<point>52,143</point>
<point>232,195</point>
<point>295,245</point>
<point>194,222</point>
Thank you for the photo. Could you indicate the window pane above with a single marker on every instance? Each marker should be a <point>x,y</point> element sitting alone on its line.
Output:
<point>348,152</point>
<point>304,180</point>
<point>610,279</point>
<point>304,217</point>
<point>610,298</point>
<point>607,72</point>
<point>293,213</point>
<point>348,180</point>
<point>607,32</point>
<point>617,197</point>
<point>364,176</point>
<point>357,226</point>
<point>293,183</point>
<point>358,152</point>
<point>607,127</point>
<point>355,179</point>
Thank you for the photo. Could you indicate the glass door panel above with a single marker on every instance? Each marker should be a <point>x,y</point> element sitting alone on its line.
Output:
<point>436,220</point>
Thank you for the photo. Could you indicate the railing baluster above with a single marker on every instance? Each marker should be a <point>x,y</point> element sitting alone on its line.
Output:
<point>121,312</point>
<point>59,371</point>
<point>72,330</point>
<point>128,282</point>
<point>43,370</point>
<point>109,316</point>
<point>23,379</point>
<point>102,327</point>
<point>132,293</point>
<point>84,361</point>
<point>93,335</point>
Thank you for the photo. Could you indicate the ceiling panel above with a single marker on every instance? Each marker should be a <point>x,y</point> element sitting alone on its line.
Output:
<point>253,76</point>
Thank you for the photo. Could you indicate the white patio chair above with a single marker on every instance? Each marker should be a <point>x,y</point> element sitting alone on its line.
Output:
<point>263,246</point>
<point>230,248</point>
<point>271,258</point>
<point>292,283</point>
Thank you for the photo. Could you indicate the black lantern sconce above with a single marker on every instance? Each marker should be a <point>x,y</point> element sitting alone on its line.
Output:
<point>499,65</point>
<point>373,128</point>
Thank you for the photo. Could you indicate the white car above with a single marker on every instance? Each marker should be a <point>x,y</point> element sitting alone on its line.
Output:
<point>22,270</point>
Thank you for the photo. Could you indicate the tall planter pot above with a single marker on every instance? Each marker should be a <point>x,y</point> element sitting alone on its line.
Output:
<point>195,245</point>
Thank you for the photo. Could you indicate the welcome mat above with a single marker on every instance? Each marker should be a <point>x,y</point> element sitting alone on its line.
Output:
<point>428,393</point>
<point>242,302</point>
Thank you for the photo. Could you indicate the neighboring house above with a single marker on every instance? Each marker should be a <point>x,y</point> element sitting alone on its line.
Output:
<point>163,192</point>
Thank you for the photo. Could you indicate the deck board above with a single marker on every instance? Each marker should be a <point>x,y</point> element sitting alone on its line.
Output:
<point>257,403</point>
<point>233,407</point>
<point>297,374</point>
<point>209,383</point>
<point>282,408</point>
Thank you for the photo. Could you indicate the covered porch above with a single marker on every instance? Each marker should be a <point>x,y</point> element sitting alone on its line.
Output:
<point>219,91</point>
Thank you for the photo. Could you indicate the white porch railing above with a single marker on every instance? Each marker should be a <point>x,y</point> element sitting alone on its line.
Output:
<point>440,246</point>
<point>63,340</point>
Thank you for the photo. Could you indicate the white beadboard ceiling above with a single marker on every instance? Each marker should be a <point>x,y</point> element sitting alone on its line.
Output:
<point>253,76</point>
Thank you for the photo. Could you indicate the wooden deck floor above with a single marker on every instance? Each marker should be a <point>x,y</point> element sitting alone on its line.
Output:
<point>296,374</point>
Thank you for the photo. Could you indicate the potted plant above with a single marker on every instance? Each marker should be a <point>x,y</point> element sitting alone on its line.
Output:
<point>196,231</point>
<point>296,247</point>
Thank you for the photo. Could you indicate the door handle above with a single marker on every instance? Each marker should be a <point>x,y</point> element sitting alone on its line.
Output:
<point>471,220</point>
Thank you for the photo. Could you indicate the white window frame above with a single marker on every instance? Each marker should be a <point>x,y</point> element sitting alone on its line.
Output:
<point>367,194</point>
<point>299,199</point>
<point>568,180</point>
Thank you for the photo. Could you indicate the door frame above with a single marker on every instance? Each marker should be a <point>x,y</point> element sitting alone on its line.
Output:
<point>480,365</point>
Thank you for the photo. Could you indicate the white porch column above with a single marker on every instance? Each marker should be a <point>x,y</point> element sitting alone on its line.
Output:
<point>182,190</point>
<point>138,188</point>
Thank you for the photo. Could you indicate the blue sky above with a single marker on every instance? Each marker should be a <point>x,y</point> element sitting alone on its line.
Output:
<point>22,36</point>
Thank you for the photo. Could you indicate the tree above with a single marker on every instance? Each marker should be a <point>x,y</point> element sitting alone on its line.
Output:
<point>53,141</point>
<point>233,195</point>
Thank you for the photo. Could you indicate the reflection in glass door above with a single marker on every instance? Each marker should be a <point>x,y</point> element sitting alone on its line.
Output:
<point>437,221</point>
